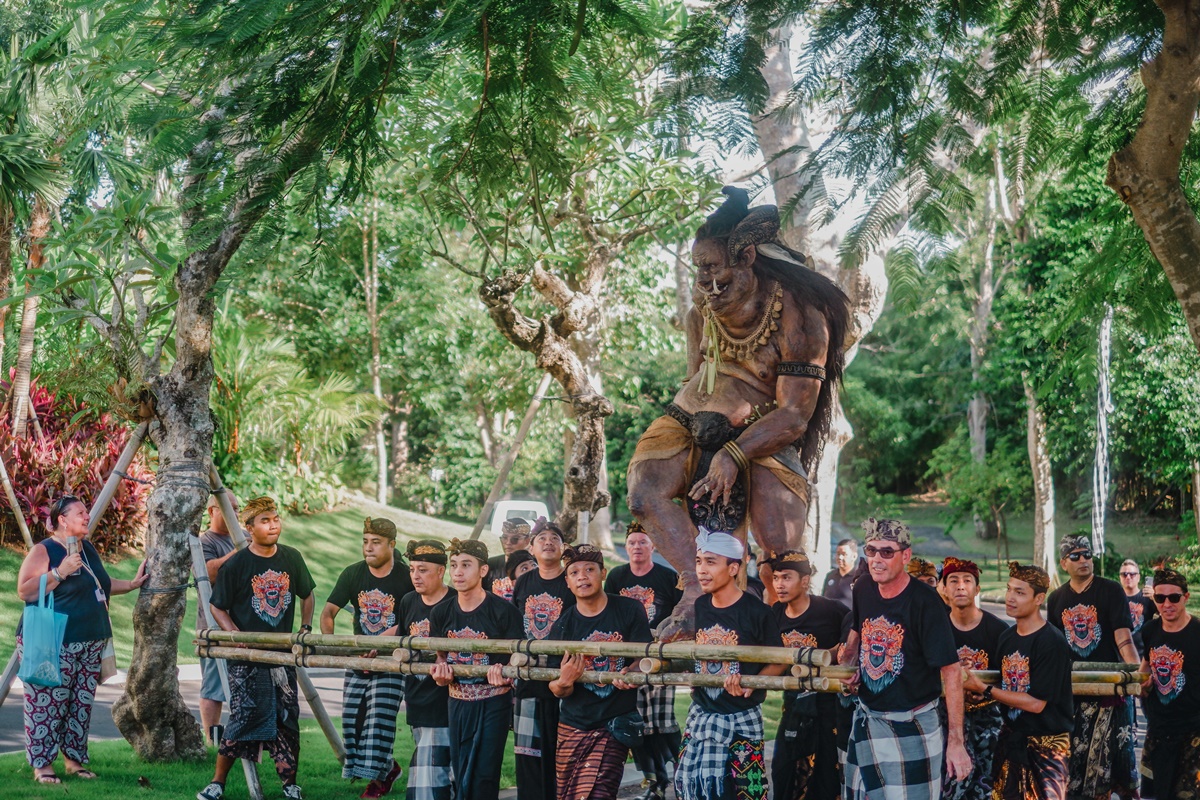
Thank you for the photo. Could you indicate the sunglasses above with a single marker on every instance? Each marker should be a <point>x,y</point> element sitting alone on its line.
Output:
<point>1130,574</point>
<point>65,500</point>
<point>514,537</point>
<point>1079,556</point>
<point>886,553</point>
<point>1172,598</point>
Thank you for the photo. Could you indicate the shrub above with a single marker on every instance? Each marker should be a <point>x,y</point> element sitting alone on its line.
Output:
<point>76,452</point>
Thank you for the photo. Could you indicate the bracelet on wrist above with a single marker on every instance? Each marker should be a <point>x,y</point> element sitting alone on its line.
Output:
<point>987,692</point>
<point>306,628</point>
<point>54,573</point>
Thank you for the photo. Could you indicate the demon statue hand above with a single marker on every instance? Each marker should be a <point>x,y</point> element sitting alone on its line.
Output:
<point>765,337</point>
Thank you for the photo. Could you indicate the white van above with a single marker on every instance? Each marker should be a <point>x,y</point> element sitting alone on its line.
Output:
<point>528,510</point>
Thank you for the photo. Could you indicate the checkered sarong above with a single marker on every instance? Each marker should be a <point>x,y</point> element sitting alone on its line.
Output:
<point>372,701</point>
<point>656,704</point>
<point>526,731</point>
<point>709,742</point>
<point>895,755</point>
<point>429,773</point>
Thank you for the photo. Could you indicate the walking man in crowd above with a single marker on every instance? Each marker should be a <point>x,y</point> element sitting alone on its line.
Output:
<point>541,596</point>
<point>1093,614</point>
<point>218,547</point>
<point>258,590</point>
<point>595,717</point>
<point>514,536</point>
<point>923,570</point>
<point>805,764</point>
<point>977,638</point>
<point>479,709</point>
<point>902,643</point>
<point>425,702</point>
<point>1171,698</point>
<point>374,588</point>
<point>839,582</point>
<point>722,752</point>
<point>1035,689</point>
<point>1141,607</point>
<point>655,587</point>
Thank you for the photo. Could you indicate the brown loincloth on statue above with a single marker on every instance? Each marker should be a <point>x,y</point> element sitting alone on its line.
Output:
<point>666,438</point>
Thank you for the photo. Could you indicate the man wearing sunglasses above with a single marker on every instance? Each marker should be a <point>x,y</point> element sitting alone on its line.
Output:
<point>902,643</point>
<point>1171,696</point>
<point>1093,614</point>
<point>514,536</point>
<point>1141,606</point>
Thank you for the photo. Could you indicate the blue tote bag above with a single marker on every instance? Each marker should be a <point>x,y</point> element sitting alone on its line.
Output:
<point>41,639</point>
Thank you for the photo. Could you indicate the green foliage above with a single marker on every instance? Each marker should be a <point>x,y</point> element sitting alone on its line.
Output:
<point>998,486</point>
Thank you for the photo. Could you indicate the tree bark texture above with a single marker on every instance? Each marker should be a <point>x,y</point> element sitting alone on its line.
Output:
<point>783,138</point>
<point>986,290</point>
<point>370,283</point>
<point>7,220</point>
<point>1045,538</point>
<point>39,228</point>
<point>1145,173</point>
<point>1196,496</point>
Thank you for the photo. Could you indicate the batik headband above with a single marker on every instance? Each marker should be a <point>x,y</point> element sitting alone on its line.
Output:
<point>921,568</point>
<point>951,565</point>
<point>470,547</point>
<point>429,550</point>
<point>380,527</point>
<point>1036,577</point>
<point>583,552</point>
<point>256,506</point>
<point>719,544</point>
<point>887,530</point>
<point>795,560</point>
<point>1072,542</point>
<point>515,526</point>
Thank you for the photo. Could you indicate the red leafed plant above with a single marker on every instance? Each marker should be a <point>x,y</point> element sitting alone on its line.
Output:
<point>74,454</point>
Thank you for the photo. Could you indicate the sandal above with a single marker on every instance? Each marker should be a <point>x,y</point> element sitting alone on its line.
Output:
<point>83,772</point>
<point>46,777</point>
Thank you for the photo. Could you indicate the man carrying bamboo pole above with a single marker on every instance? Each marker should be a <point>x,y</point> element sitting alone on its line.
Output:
<point>656,588</point>
<point>805,763</point>
<point>218,547</point>
<point>722,752</point>
<point>598,721</point>
<point>1171,757</point>
<point>256,590</point>
<point>479,711</point>
<point>976,637</point>
<point>541,596</point>
<point>1035,687</point>
<point>374,588</point>
<point>902,644</point>
<point>1093,614</point>
<point>429,776</point>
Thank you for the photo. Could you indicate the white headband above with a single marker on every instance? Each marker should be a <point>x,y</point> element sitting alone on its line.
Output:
<point>719,544</point>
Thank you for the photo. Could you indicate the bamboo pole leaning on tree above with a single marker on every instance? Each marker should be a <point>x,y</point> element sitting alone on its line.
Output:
<point>114,478</point>
<point>15,505</point>
<point>10,675</point>
<point>306,685</point>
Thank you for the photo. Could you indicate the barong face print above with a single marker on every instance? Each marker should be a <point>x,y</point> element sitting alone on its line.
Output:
<point>1082,625</point>
<point>1166,667</point>
<point>541,612</point>
<point>1014,677</point>
<point>603,663</point>
<point>503,588</point>
<point>798,639</point>
<point>644,595</point>
<point>469,688</point>
<point>272,596</point>
<point>419,628</point>
<point>377,611</point>
<point>971,658</point>
<point>717,635</point>
<point>880,654</point>
<point>1138,612</point>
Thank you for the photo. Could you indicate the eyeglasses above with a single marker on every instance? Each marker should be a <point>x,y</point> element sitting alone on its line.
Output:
<point>1078,556</point>
<point>1130,574</point>
<point>886,553</point>
<point>1172,598</point>
<point>514,537</point>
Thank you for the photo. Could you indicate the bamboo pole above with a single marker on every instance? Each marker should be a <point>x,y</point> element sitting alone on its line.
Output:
<point>204,594</point>
<point>10,675</point>
<point>511,457</point>
<point>14,505</point>
<point>114,478</point>
<point>305,682</point>
<point>672,650</point>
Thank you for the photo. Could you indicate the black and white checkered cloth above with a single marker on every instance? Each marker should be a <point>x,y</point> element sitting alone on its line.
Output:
<point>704,763</point>
<point>895,755</point>
<point>526,734</point>
<point>656,704</point>
<point>372,701</point>
<point>429,773</point>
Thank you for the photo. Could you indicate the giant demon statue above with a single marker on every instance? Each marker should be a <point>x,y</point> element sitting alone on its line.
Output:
<point>765,338</point>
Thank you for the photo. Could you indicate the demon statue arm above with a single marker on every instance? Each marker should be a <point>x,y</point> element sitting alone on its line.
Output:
<point>733,451</point>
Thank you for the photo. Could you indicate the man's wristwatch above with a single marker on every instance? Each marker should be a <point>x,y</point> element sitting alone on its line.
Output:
<point>987,692</point>
<point>306,628</point>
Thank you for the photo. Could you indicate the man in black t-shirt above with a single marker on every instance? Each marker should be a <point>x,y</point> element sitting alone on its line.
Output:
<point>480,709</point>
<point>903,646</point>
<point>541,596</point>
<point>976,637</point>
<point>590,758</point>
<point>722,752</point>
<point>1141,607</point>
<point>514,536</point>
<point>805,763</point>
<point>657,588</point>
<point>257,590</point>
<point>425,702</point>
<point>1093,614</point>
<point>373,588</point>
<point>1171,695</point>
<point>1035,689</point>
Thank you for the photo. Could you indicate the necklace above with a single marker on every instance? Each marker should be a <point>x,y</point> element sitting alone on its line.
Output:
<point>722,344</point>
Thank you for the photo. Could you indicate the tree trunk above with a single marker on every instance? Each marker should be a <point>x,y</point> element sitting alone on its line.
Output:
<point>7,219</point>
<point>977,409</point>
<point>39,228</point>
<point>1196,497</point>
<point>400,447</point>
<point>1145,173</point>
<point>683,284</point>
<point>783,138</point>
<point>370,248</point>
<point>1044,536</point>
